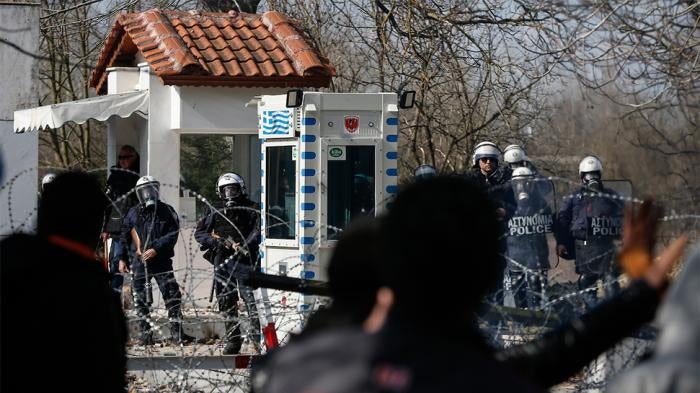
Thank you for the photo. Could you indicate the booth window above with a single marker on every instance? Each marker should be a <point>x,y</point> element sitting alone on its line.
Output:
<point>350,187</point>
<point>280,196</point>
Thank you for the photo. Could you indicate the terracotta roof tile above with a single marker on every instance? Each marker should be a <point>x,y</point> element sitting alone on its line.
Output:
<point>260,55</point>
<point>219,43</point>
<point>276,55</point>
<point>269,44</point>
<point>228,32</point>
<point>284,68</point>
<point>250,68</point>
<point>232,68</point>
<point>267,68</point>
<point>209,49</point>
<point>226,54</point>
<point>236,43</point>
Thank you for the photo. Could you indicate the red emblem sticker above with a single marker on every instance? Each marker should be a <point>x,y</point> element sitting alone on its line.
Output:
<point>352,124</point>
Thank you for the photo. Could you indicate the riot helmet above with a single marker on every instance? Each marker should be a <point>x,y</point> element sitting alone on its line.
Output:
<point>48,178</point>
<point>590,170</point>
<point>521,180</point>
<point>147,190</point>
<point>230,187</point>
<point>486,150</point>
<point>424,171</point>
<point>515,156</point>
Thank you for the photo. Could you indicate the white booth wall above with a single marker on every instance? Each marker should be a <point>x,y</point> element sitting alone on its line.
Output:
<point>175,111</point>
<point>19,153</point>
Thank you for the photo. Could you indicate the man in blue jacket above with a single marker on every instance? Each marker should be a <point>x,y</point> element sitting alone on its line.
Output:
<point>148,237</point>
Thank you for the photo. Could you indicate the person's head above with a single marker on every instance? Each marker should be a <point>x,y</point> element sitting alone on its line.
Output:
<point>72,207</point>
<point>521,180</point>
<point>440,247</point>
<point>352,271</point>
<point>590,170</point>
<point>46,180</point>
<point>424,171</point>
<point>486,157</point>
<point>515,156</point>
<point>230,187</point>
<point>147,190</point>
<point>128,158</point>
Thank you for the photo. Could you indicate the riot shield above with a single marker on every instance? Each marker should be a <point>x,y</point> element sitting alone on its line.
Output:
<point>529,241</point>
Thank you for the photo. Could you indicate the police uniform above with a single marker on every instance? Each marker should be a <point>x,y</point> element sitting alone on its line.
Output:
<point>156,227</point>
<point>591,221</point>
<point>229,264</point>
<point>527,249</point>
<point>498,187</point>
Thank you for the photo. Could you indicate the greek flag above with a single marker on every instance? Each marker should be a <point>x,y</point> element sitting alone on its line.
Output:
<point>276,122</point>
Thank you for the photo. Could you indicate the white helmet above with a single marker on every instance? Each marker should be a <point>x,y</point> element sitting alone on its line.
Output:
<point>486,149</point>
<point>522,172</point>
<point>48,178</point>
<point>229,178</point>
<point>425,171</point>
<point>590,164</point>
<point>513,154</point>
<point>147,190</point>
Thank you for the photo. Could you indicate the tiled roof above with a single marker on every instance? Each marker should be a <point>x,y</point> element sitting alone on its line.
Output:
<point>215,49</point>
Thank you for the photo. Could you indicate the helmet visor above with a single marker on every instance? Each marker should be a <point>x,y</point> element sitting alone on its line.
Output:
<point>148,195</point>
<point>231,191</point>
<point>592,180</point>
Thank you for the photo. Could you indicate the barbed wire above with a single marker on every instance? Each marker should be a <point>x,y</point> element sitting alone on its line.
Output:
<point>558,297</point>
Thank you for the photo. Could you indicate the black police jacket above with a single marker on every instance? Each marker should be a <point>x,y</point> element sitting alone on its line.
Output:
<point>497,185</point>
<point>156,227</point>
<point>120,186</point>
<point>237,224</point>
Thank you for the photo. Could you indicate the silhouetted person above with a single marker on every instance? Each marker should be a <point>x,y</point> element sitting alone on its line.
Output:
<point>354,281</point>
<point>430,341</point>
<point>56,299</point>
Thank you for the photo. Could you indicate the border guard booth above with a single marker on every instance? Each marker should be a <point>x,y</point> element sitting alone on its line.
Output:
<point>326,159</point>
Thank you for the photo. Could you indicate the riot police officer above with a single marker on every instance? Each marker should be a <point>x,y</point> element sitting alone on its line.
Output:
<point>487,172</point>
<point>230,235</point>
<point>514,156</point>
<point>527,249</point>
<point>424,171</point>
<point>149,233</point>
<point>46,180</point>
<point>494,178</point>
<point>587,225</point>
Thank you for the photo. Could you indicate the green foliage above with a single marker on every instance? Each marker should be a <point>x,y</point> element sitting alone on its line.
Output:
<point>203,158</point>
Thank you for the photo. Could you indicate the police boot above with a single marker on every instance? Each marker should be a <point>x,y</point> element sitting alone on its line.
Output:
<point>233,347</point>
<point>146,336</point>
<point>178,335</point>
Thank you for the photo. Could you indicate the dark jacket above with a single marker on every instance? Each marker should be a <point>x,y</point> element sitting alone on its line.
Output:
<point>157,228</point>
<point>120,190</point>
<point>409,359</point>
<point>245,217</point>
<point>559,354</point>
<point>575,217</point>
<point>580,216</point>
<point>54,301</point>
<point>497,185</point>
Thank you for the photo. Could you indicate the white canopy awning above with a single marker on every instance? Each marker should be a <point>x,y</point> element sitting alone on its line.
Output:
<point>99,108</point>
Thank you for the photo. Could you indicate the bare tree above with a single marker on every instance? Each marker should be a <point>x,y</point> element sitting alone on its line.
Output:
<point>477,66</point>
